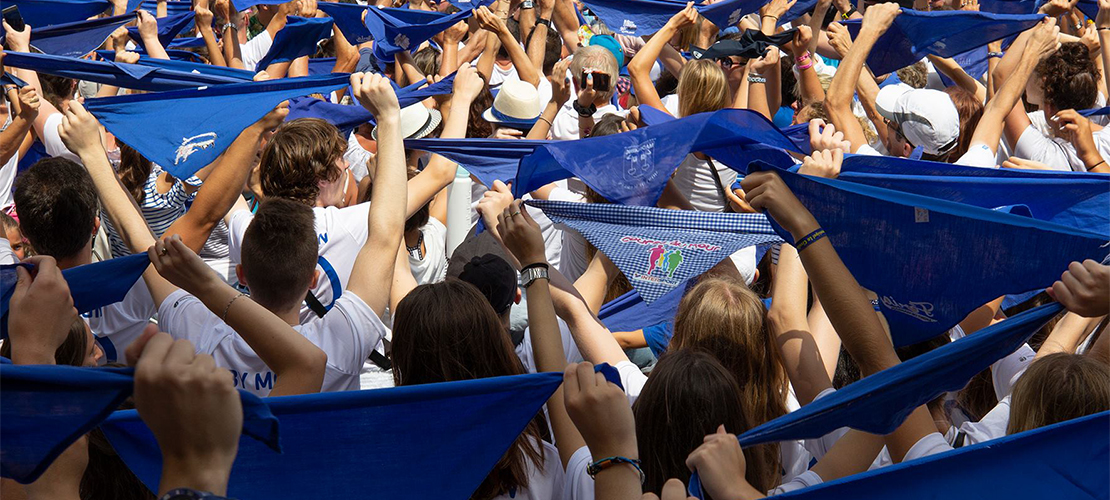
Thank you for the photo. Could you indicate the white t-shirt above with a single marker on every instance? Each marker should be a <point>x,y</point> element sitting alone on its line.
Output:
<point>116,326</point>
<point>978,155</point>
<point>346,334</point>
<point>255,49</point>
<point>543,484</point>
<point>573,259</point>
<point>341,232</point>
<point>1055,152</point>
<point>565,125</point>
<point>570,349</point>
<point>7,173</point>
<point>358,157</point>
<point>433,267</point>
<point>695,180</point>
<point>7,256</point>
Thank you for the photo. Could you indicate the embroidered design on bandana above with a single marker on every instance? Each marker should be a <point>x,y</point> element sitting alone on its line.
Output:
<point>919,310</point>
<point>735,17</point>
<point>639,160</point>
<point>401,41</point>
<point>629,27</point>
<point>192,144</point>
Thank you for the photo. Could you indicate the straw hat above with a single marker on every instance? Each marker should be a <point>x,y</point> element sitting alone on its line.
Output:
<point>517,105</point>
<point>417,121</point>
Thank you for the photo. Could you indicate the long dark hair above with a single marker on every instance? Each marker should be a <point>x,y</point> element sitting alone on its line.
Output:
<point>73,350</point>
<point>687,396</point>
<point>134,170</point>
<point>463,340</point>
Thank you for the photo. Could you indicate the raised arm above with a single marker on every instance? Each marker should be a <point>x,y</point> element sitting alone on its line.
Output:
<point>537,45</point>
<point>494,24</point>
<point>24,103</point>
<point>838,101</point>
<point>372,274</point>
<point>788,322</point>
<point>952,70</point>
<point>229,33</point>
<point>639,68</point>
<point>1041,44</point>
<point>763,83</point>
<point>20,41</point>
<point>297,363</point>
<point>804,56</point>
<point>522,236</point>
<point>148,31</point>
<point>204,18</point>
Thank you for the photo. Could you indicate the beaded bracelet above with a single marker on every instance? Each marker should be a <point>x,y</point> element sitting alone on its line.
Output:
<point>607,462</point>
<point>809,239</point>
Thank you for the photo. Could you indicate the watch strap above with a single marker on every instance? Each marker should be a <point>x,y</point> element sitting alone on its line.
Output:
<point>582,110</point>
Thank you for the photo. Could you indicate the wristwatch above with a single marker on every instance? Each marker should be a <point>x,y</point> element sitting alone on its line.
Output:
<point>582,110</point>
<point>533,272</point>
<point>527,4</point>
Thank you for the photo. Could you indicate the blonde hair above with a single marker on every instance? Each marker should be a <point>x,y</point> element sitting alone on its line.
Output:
<point>726,319</point>
<point>702,87</point>
<point>599,58</point>
<point>1057,388</point>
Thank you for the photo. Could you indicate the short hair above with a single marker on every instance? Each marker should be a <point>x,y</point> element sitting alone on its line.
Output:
<point>279,252</point>
<point>915,75</point>
<point>599,58</point>
<point>427,60</point>
<point>301,154</point>
<point>56,89</point>
<point>58,205</point>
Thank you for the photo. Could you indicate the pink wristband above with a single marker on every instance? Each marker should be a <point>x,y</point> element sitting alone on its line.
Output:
<point>802,57</point>
<point>803,68</point>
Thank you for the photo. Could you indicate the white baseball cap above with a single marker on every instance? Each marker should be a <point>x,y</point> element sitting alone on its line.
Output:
<point>926,117</point>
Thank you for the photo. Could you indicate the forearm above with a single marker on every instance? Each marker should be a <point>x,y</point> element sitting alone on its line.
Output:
<point>1067,334</point>
<point>449,61</point>
<point>215,54</point>
<point>524,67</point>
<point>639,69</point>
<point>537,46</point>
<point>486,60</point>
<point>594,341</point>
<point>992,123</point>
<point>154,47</point>
<point>593,284</point>
<point>526,21</point>
<point>810,83</point>
<point>788,322</point>
<point>542,127</point>
<point>757,97</point>
<point>567,23</point>
<point>117,203</point>
<point>474,47</point>
<point>963,80</point>
<point>12,137</point>
<point>838,101</point>
<point>233,53</point>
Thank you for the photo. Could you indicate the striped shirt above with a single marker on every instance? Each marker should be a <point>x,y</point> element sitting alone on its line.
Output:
<point>159,210</point>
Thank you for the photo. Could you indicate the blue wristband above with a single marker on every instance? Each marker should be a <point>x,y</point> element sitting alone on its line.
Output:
<point>809,239</point>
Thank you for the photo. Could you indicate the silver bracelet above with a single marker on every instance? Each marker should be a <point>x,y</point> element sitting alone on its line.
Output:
<point>756,79</point>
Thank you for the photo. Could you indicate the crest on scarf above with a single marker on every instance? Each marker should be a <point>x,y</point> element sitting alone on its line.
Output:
<point>192,144</point>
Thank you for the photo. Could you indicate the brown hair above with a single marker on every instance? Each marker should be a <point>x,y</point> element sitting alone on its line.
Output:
<point>1057,388</point>
<point>686,397</point>
<point>133,171</point>
<point>702,87</point>
<point>915,75</point>
<point>279,253</point>
<point>464,340</point>
<point>970,110</point>
<point>299,156</point>
<point>73,350</point>
<point>726,319</point>
<point>57,89</point>
<point>1070,77</point>
<point>476,126</point>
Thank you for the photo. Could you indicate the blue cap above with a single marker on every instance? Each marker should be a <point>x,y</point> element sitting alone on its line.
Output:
<point>611,44</point>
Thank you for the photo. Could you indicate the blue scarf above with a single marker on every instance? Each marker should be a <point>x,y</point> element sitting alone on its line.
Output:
<point>395,30</point>
<point>916,34</point>
<point>46,408</point>
<point>384,441</point>
<point>129,76</point>
<point>168,28</point>
<point>78,38</point>
<point>298,38</point>
<point>487,159</point>
<point>645,17</point>
<point>40,14</point>
<point>240,75</point>
<point>347,117</point>
<point>659,249</point>
<point>348,18</point>
<point>204,122</point>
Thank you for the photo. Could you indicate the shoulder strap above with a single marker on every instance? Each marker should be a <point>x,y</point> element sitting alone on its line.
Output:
<point>720,184</point>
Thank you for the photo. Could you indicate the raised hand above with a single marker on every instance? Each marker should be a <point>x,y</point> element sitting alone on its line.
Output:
<point>600,411</point>
<point>840,39</point>
<point>767,191</point>
<point>881,16</point>
<point>80,132</point>
<point>27,102</point>
<point>560,86</point>
<point>40,312</point>
<point>824,163</point>
<point>685,17</point>
<point>18,41</point>
<point>521,234</point>
<point>468,82</point>
<point>375,94</point>
<point>720,464</point>
<point>1084,289</point>
<point>181,266</point>
<point>823,136</point>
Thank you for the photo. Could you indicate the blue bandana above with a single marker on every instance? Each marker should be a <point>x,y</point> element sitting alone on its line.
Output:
<point>916,34</point>
<point>347,117</point>
<point>240,75</point>
<point>172,7</point>
<point>1096,111</point>
<point>297,39</point>
<point>648,156</point>
<point>46,408</point>
<point>321,65</point>
<point>186,43</point>
<point>645,17</point>
<point>42,13</point>
<point>487,159</point>
<point>659,249</point>
<point>78,38</point>
<point>128,76</point>
<point>168,28</point>
<point>352,454</point>
<point>926,258</point>
<point>348,18</point>
<point>205,122</point>
<point>10,79</point>
<point>629,312</point>
<point>395,30</point>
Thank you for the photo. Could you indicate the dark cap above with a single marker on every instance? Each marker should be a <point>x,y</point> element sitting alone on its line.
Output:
<point>494,277</point>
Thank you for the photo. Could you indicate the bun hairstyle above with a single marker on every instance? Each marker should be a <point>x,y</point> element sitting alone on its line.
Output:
<point>1070,78</point>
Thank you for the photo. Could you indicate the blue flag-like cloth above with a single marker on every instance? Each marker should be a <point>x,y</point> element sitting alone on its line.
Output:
<point>659,249</point>
<point>241,75</point>
<point>185,131</point>
<point>168,28</point>
<point>1067,460</point>
<point>45,408</point>
<point>645,17</point>
<point>172,7</point>
<point>298,38</point>
<point>241,5</point>
<point>347,117</point>
<point>879,403</point>
<point>129,76</point>
<point>1096,111</point>
<point>382,440</point>
<point>1076,199</point>
<point>78,38</point>
<point>1009,6</point>
<point>186,43</point>
<point>348,18</point>
<point>932,261</point>
<point>395,30</point>
<point>629,312</point>
<point>43,13</point>
<point>487,159</point>
<point>320,65</point>
<point>632,168</point>
<point>10,79</point>
<point>916,34</point>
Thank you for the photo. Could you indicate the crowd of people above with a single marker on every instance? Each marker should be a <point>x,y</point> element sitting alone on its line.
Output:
<point>308,259</point>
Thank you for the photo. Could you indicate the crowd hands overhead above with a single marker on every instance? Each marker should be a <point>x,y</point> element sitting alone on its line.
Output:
<point>338,260</point>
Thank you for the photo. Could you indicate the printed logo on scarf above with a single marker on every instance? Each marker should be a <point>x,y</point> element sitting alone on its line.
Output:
<point>664,258</point>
